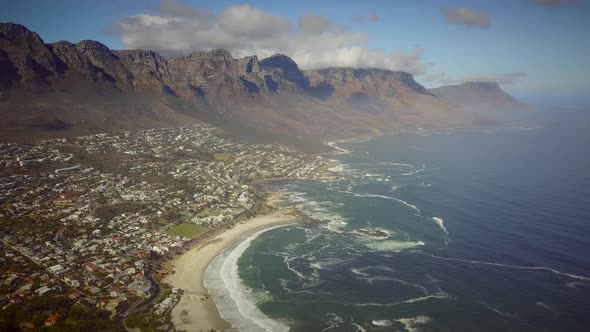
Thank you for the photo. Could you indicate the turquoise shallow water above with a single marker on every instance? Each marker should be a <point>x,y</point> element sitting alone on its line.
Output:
<point>487,230</point>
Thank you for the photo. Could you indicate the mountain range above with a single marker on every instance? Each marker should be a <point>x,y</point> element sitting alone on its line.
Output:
<point>60,89</point>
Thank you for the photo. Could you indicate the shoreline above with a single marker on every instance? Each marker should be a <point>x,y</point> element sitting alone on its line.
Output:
<point>196,310</point>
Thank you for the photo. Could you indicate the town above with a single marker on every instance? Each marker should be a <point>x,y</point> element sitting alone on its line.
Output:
<point>86,220</point>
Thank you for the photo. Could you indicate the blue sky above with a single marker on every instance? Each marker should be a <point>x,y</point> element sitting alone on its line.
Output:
<point>532,50</point>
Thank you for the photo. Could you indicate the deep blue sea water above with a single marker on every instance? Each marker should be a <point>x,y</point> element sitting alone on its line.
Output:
<point>488,230</point>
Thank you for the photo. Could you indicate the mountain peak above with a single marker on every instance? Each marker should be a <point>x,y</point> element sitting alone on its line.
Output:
<point>214,55</point>
<point>19,36</point>
<point>94,45</point>
<point>482,85</point>
<point>477,95</point>
<point>272,94</point>
<point>15,32</point>
<point>280,56</point>
<point>279,61</point>
<point>284,66</point>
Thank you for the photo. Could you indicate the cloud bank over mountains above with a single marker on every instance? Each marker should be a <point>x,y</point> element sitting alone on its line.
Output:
<point>313,41</point>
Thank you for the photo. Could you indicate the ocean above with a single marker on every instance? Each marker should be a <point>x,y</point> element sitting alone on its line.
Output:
<point>479,229</point>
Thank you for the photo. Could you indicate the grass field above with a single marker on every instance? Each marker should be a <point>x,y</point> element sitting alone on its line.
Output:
<point>222,156</point>
<point>208,212</point>
<point>187,230</point>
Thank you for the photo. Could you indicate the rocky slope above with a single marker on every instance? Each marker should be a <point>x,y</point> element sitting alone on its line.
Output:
<point>65,88</point>
<point>477,96</point>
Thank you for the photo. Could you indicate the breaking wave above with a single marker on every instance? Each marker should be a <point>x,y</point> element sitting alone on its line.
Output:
<point>412,324</point>
<point>235,303</point>
<point>393,245</point>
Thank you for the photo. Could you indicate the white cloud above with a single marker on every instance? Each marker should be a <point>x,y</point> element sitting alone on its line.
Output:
<point>313,41</point>
<point>504,78</point>
<point>467,16</point>
<point>249,22</point>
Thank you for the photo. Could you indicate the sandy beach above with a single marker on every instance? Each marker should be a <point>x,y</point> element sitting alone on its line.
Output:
<point>196,311</point>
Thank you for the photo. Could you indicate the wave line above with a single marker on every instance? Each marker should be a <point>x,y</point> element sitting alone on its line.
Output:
<point>520,267</point>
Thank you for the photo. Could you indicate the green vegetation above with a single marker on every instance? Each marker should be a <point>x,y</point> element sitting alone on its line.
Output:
<point>107,212</point>
<point>222,156</point>
<point>187,230</point>
<point>110,162</point>
<point>208,212</point>
<point>147,322</point>
<point>72,318</point>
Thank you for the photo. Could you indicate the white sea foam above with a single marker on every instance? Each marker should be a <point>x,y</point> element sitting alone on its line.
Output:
<point>313,280</point>
<point>378,267</point>
<point>575,284</point>
<point>395,188</point>
<point>386,163</point>
<point>545,305</point>
<point>361,270</point>
<point>382,322</point>
<point>370,175</point>
<point>287,262</point>
<point>235,303</point>
<point>539,268</point>
<point>326,264</point>
<point>370,280</point>
<point>322,211</point>
<point>333,321</point>
<point>352,251</point>
<point>312,234</point>
<point>393,245</point>
<point>340,150</point>
<point>441,224</point>
<point>415,148</point>
<point>284,283</point>
<point>336,169</point>
<point>411,206</point>
<point>412,324</point>
<point>411,173</point>
<point>359,328</point>
<point>498,311</point>
<point>310,279</point>
<point>438,295</point>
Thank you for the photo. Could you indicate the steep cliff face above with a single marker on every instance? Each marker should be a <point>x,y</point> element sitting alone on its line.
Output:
<point>201,73</point>
<point>272,94</point>
<point>8,70</point>
<point>145,70</point>
<point>281,73</point>
<point>365,83</point>
<point>28,53</point>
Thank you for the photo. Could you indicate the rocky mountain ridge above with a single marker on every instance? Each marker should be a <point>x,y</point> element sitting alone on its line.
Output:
<point>90,88</point>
